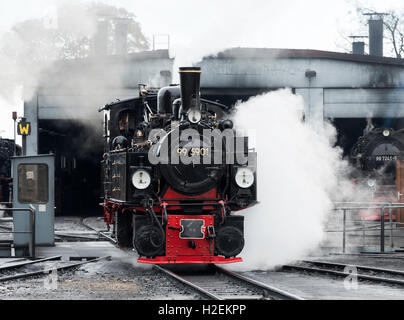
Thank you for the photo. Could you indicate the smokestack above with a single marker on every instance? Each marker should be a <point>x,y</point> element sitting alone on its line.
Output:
<point>121,38</point>
<point>358,47</point>
<point>376,37</point>
<point>101,39</point>
<point>190,78</point>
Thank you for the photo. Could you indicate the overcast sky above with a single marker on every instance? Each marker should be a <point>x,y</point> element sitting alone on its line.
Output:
<point>311,24</point>
<point>200,27</point>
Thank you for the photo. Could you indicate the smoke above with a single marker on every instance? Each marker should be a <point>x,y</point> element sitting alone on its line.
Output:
<point>55,53</point>
<point>75,19</point>
<point>29,51</point>
<point>300,173</point>
<point>31,47</point>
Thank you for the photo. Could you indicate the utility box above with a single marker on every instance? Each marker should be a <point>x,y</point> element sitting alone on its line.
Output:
<point>33,184</point>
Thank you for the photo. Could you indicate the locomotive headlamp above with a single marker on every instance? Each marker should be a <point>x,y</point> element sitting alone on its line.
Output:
<point>141,179</point>
<point>194,116</point>
<point>386,133</point>
<point>244,177</point>
<point>371,183</point>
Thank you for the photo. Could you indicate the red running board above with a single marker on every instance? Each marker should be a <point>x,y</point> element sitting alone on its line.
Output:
<point>189,259</point>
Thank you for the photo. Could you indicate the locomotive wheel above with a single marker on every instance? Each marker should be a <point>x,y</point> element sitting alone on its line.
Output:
<point>124,230</point>
<point>229,241</point>
<point>149,241</point>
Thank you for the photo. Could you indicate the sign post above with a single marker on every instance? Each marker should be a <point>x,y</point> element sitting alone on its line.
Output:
<point>14,115</point>
<point>24,130</point>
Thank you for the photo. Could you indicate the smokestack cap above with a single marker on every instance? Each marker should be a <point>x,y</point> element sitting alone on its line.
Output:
<point>190,69</point>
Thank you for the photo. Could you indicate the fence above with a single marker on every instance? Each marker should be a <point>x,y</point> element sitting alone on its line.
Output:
<point>354,208</point>
<point>32,213</point>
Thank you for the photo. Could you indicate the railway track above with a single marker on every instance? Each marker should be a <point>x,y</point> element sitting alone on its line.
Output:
<point>77,237</point>
<point>102,234</point>
<point>217,283</point>
<point>9,271</point>
<point>393,256</point>
<point>20,268</point>
<point>214,282</point>
<point>364,273</point>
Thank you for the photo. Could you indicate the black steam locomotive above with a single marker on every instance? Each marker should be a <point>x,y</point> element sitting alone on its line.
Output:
<point>375,155</point>
<point>6,152</point>
<point>174,172</point>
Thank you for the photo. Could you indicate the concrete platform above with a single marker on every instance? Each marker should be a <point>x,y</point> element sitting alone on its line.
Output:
<point>82,249</point>
<point>4,261</point>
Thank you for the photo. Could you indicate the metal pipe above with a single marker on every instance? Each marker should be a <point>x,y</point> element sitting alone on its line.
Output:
<point>344,231</point>
<point>365,202</point>
<point>358,229</point>
<point>382,230</point>
<point>32,213</point>
<point>374,207</point>
<point>32,227</point>
<point>391,228</point>
<point>382,206</point>
<point>15,129</point>
<point>16,232</point>
<point>363,233</point>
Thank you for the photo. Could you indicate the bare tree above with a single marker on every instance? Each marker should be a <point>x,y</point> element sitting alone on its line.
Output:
<point>72,37</point>
<point>136,39</point>
<point>394,25</point>
<point>32,46</point>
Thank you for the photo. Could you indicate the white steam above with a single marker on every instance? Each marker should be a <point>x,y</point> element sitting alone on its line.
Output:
<point>298,175</point>
<point>26,55</point>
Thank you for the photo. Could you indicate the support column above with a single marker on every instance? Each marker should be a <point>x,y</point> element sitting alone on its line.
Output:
<point>313,106</point>
<point>31,114</point>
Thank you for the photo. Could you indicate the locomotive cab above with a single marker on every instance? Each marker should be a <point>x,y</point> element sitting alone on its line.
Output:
<point>174,174</point>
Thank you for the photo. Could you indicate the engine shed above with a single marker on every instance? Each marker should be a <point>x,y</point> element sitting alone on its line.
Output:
<point>347,88</point>
<point>65,121</point>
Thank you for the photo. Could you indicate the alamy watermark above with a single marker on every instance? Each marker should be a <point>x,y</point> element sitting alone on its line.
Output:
<point>51,280</point>
<point>190,146</point>
<point>351,281</point>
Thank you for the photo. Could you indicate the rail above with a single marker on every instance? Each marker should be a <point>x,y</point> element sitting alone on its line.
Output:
<point>218,283</point>
<point>354,207</point>
<point>32,213</point>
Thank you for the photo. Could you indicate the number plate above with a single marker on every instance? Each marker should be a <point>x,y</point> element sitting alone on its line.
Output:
<point>386,158</point>
<point>192,229</point>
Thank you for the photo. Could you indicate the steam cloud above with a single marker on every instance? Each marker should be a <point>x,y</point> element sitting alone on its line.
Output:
<point>299,174</point>
<point>26,56</point>
<point>35,53</point>
<point>299,171</point>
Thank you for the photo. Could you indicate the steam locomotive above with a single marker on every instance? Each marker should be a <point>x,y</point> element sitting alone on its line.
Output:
<point>375,155</point>
<point>6,152</point>
<point>174,174</point>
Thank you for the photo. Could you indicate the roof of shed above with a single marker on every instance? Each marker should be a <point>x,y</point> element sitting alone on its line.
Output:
<point>263,53</point>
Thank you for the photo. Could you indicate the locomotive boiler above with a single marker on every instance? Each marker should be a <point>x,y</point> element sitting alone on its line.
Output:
<point>175,172</point>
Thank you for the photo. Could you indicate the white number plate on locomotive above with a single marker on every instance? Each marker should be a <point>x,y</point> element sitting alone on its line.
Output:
<point>192,229</point>
<point>386,158</point>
